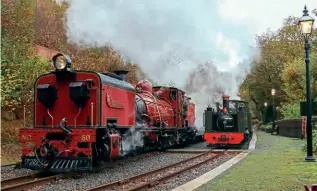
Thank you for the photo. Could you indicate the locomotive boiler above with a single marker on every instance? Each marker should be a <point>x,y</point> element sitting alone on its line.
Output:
<point>229,126</point>
<point>83,117</point>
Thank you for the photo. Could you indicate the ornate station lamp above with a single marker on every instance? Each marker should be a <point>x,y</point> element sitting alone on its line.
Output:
<point>306,27</point>
<point>273,91</point>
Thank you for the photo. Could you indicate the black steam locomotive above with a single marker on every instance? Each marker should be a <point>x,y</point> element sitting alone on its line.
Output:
<point>228,126</point>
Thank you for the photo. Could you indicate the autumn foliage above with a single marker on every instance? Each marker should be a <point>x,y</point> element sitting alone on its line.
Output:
<point>26,23</point>
<point>281,66</point>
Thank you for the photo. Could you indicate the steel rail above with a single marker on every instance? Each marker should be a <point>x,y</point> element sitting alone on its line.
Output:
<point>151,183</point>
<point>140,176</point>
<point>27,181</point>
<point>16,180</point>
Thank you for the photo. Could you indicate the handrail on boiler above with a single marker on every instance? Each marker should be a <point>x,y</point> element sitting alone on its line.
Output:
<point>156,106</point>
<point>92,113</point>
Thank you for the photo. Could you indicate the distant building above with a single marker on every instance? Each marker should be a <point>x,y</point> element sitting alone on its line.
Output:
<point>45,52</point>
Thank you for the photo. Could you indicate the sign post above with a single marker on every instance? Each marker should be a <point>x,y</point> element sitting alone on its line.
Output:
<point>304,121</point>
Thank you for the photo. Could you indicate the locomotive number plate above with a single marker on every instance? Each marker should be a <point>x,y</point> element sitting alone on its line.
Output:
<point>85,137</point>
<point>26,137</point>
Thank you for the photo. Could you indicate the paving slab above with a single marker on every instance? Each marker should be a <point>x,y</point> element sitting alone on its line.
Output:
<point>253,142</point>
<point>203,179</point>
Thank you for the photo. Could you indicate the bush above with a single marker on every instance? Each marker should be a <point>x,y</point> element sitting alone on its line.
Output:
<point>18,88</point>
<point>255,122</point>
<point>267,127</point>
<point>291,110</point>
<point>25,24</point>
<point>314,142</point>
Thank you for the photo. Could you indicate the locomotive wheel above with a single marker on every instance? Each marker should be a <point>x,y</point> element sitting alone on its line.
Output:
<point>161,146</point>
<point>133,153</point>
<point>146,149</point>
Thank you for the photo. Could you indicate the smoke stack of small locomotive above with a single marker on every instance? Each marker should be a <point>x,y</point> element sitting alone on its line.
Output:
<point>167,42</point>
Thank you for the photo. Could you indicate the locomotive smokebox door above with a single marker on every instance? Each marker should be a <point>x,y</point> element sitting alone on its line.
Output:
<point>79,93</point>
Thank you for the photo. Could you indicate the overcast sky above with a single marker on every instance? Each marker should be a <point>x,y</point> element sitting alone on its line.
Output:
<point>252,17</point>
<point>217,30</point>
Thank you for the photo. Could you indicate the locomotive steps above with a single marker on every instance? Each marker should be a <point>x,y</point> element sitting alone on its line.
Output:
<point>203,179</point>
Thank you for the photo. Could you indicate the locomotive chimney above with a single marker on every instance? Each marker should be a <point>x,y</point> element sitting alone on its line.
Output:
<point>225,102</point>
<point>122,73</point>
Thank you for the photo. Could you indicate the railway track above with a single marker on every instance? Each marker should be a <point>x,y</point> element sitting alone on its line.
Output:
<point>28,181</point>
<point>154,177</point>
<point>31,180</point>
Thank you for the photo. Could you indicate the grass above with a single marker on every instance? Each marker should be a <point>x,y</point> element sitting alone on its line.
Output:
<point>277,164</point>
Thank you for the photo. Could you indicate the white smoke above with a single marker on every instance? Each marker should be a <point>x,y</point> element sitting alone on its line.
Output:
<point>207,85</point>
<point>131,140</point>
<point>167,39</point>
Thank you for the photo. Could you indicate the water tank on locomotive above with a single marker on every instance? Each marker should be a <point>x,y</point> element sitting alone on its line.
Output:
<point>225,122</point>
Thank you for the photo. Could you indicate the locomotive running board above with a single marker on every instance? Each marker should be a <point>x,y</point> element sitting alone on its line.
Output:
<point>58,165</point>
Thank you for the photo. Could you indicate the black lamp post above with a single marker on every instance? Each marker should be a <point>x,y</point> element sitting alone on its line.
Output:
<point>306,26</point>
<point>265,112</point>
<point>273,109</point>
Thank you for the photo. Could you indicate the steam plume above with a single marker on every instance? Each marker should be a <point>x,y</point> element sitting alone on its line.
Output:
<point>131,140</point>
<point>171,41</point>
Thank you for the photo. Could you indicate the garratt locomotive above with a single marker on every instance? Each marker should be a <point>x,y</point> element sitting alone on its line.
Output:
<point>83,117</point>
<point>229,126</point>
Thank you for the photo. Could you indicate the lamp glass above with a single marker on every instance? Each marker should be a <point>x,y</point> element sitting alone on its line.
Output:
<point>273,92</point>
<point>306,27</point>
<point>60,62</point>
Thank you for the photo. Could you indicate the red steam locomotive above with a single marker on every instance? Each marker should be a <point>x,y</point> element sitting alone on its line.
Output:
<point>83,117</point>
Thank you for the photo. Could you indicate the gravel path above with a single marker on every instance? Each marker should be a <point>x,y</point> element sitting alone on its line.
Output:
<point>121,169</point>
<point>199,145</point>
<point>269,142</point>
<point>9,172</point>
<point>191,174</point>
